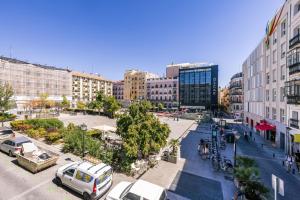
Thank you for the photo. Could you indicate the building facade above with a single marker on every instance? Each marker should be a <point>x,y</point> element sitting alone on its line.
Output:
<point>224,99</point>
<point>118,90</point>
<point>29,81</point>
<point>198,86</point>
<point>236,97</point>
<point>163,90</point>
<point>135,86</point>
<point>86,86</point>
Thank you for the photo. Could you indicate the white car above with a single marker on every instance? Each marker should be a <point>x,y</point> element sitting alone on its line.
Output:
<point>140,190</point>
<point>92,181</point>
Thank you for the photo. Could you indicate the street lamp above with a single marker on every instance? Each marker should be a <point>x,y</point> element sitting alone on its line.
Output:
<point>83,127</point>
<point>236,138</point>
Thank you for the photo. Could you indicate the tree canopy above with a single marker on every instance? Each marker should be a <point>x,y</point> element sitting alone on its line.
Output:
<point>6,92</point>
<point>65,102</point>
<point>141,132</point>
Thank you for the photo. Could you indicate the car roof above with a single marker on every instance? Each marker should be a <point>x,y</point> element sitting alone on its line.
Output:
<point>91,168</point>
<point>147,190</point>
<point>4,128</point>
<point>20,139</point>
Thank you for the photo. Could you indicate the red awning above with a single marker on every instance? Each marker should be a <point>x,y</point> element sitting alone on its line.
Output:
<point>265,126</point>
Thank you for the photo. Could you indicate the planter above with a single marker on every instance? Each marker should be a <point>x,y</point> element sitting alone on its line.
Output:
<point>172,159</point>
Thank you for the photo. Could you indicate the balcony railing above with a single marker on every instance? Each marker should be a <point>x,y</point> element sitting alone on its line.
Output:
<point>293,62</point>
<point>294,41</point>
<point>294,123</point>
<point>292,91</point>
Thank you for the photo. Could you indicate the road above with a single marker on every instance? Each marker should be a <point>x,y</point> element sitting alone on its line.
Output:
<point>268,166</point>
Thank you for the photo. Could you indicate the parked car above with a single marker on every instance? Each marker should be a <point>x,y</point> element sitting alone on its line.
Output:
<point>92,181</point>
<point>13,146</point>
<point>6,133</point>
<point>141,190</point>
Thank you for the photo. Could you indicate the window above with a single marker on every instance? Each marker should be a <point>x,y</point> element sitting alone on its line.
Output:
<point>282,116</point>
<point>70,172</point>
<point>295,115</point>
<point>267,112</point>
<point>281,94</point>
<point>283,28</point>
<point>267,95</point>
<point>274,37</point>
<point>274,75</point>
<point>274,56</point>
<point>274,94</point>
<point>268,78</point>
<point>131,196</point>
<point>83,177</point>
<point>283,50</point>
<point>274,113</point>
<point>268,61</point>
<point>296,8</point>
<point>282,72</point>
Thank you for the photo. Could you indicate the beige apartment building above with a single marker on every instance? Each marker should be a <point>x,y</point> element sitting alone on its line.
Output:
<point>135,86</point>
<point>29,80</point>
<point>236,97</point>
<point>86,86</point>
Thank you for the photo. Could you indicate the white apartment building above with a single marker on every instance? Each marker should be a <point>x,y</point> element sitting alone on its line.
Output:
<point>274,112</point>
<point>86,86</point>
<point>29,81</point>
<point>163,90</point>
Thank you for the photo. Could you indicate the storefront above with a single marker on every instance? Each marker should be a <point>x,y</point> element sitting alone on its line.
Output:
<point>268,130</point>
<point>294,141</point>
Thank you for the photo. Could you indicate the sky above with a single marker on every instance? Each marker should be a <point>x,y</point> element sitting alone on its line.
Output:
<point>109,36</point>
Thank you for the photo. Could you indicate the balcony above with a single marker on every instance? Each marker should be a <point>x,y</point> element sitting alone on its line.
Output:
<point>294,41</point>
<point>294,123</point>
<point>293,62</point>
<point>292,92</point>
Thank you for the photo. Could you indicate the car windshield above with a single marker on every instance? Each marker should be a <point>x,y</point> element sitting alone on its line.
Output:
<point>20,143</point>
<point>6,132</point>
<point>104,176</point>
<point>126,190</point>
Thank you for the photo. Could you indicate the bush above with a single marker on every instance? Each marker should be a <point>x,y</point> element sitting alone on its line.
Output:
<point>53,137</point>
<point>32,133</point>
<point>45,123</point>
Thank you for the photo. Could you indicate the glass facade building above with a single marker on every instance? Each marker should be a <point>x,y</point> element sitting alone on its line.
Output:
<point>198,87</point>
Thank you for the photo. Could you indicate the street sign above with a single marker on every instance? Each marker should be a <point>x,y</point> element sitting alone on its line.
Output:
<point>278,186</point>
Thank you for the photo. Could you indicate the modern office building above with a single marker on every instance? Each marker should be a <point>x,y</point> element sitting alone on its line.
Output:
<point>118,90</point>
<point>163,90</point>
<point>236,97</point>
<point>86,86</point>
<point>29,80</point>
<point>135,87</point>
<point>198,86</point>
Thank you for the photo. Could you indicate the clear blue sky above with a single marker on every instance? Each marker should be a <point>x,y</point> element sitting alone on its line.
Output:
<point>110,36</point>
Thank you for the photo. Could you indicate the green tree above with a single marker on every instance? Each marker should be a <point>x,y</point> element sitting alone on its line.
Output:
<point>141,132</point>
<point>80,105</point>
<point>174,143</point>
<point>111,106</point>
<point>65,102</point>
<point>98,102</point>
<point>6,92</point>
<point>247,174</point>
<point>160,106</point>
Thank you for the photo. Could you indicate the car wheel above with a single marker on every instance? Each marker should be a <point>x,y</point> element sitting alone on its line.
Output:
<point>86,196</point>
<point>58,182</point>
<point>10,154</point>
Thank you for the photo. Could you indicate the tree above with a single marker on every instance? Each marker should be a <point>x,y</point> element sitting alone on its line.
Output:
<point>43,101</point>
<point>111,106</point>
<point>98,102</point>
<point>80,105</point>
<point>247,174</point>
<point>6,92</point>
<point>141,132</point>
<point>160,106</point>
<point>174,143</point>
<point>65,102</point>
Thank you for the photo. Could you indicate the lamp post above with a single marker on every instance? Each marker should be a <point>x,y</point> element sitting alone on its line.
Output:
<point>83,127</point>
<point>236,138</point>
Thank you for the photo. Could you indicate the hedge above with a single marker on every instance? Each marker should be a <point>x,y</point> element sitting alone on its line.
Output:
<point>36,124</point>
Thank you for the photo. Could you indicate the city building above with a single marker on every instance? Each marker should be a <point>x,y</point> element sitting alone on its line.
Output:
<point>29,80</point>
<point>118,90</point>
<point>236,95</point>
<point>198,86</point>
<point>86,86</point>
<point>163,90</point>
<point>224,99</point>
<point>135,86</point>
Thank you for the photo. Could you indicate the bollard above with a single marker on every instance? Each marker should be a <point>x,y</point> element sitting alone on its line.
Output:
<point>262,145</point>
<point>293,171</point>
<point>273,155</point>
<point>283,163</point>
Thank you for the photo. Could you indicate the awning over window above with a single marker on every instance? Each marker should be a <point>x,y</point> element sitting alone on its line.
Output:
<point>265,126</point>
